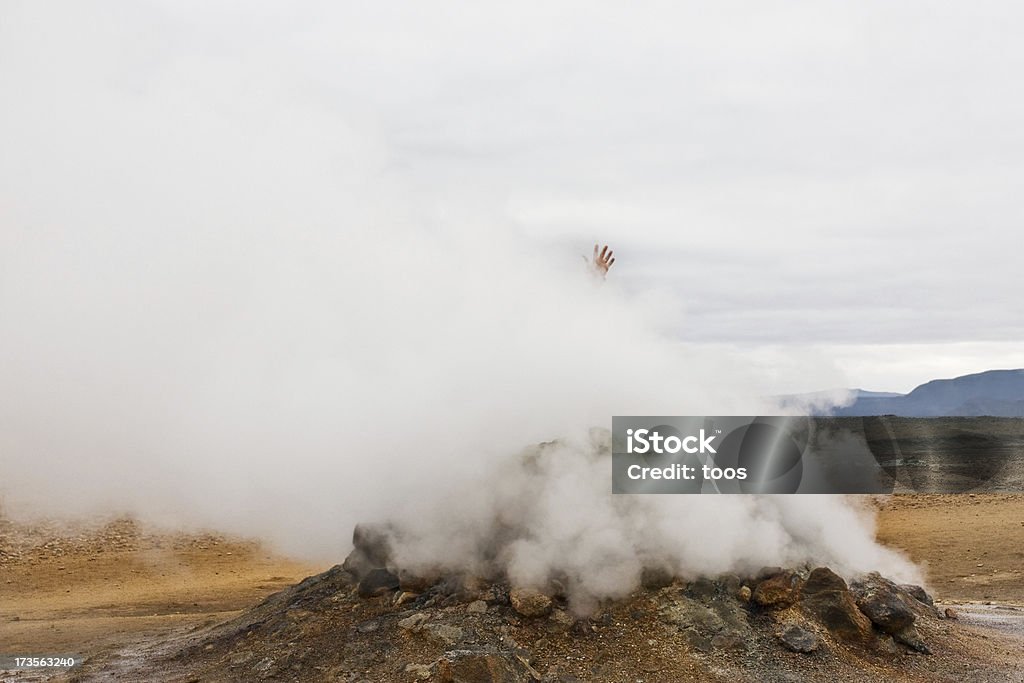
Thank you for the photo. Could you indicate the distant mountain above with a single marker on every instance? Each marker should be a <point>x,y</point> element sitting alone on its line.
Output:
<point>998,393</point>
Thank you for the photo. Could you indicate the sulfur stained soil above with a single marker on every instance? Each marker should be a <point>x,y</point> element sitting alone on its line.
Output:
<point>111,591</point>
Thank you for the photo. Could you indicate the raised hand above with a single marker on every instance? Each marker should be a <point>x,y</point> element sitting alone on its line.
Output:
<point>603,260</point>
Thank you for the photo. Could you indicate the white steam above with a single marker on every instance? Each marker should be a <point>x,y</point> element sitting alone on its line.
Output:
<point>224,303</point>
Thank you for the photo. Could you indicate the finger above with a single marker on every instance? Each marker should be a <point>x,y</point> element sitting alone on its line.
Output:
<point>595,251</point>
<point>608,255</point>
<point>603,250</point>
<point>611,263</point>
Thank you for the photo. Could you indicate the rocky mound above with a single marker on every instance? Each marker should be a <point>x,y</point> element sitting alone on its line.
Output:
<point>368,621</point>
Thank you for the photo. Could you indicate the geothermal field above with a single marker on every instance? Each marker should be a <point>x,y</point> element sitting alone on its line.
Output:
<point>323,325</point>
<point>143,603</point>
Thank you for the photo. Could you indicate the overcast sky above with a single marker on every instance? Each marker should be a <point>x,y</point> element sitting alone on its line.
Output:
<point>840,177</point>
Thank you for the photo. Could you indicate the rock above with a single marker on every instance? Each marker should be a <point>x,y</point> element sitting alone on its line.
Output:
<point>376,582</point>
<point>886,610</point>
<point>368,626</point>
<point>917,593</point>
<point>797,639</point>
<point>404,597</point>
<point>561,619</point>
<point>912,639</point>
<point>414,583</point>
<point>744,594</point>
<point>729,641</point>
<point>827,599</point>
<point>470,666</point>
<point>702,589</point>
<point>373,540</point>
<point>411,622</point>
<point>692,614</point>
<point>824,579</point>
<point>891,608</point>
<point>730,583</point>
<point>653,578</point>
<point>358,564</point>
<point>951,613</point>
<point>721,623</point>
<point>779,591</point>
<point>443,634</point>
<point>476,607</point>
<point>496,594</point>
<point>529,602</point>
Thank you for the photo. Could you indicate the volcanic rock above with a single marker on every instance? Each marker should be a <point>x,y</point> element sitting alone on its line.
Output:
<point>529,602</point>
<point>411,622</point>
<point>376,582</point>
<point>653,578</point>
<point>372,540</point>
<point>443,634</point>
<point>779,591</point>
<point>798,639</point>
<point>917,593</point>
<point>827,598</point>
<point>883,604</point>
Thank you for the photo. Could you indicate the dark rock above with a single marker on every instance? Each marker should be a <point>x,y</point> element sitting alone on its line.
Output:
<point>779,591</point>
<point>729,641</point>
<point>827,599</point>
<point>918,594</point>
<point>912,639</point>
<point>373,540</point>
<point>797,639</point>
<point>653,578</point>
<point>414,583</point>
<point>824,579</point>
<point>702,589</point>
<point>357,564</point>
<point>951,613</point>
<point>470,666</point>
<point>885,610</point>
<point>376,582</point>
<point>730,583</point>
<point>888,606</point>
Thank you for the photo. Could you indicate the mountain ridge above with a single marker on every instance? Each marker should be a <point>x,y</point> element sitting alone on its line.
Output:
<point>994,393</point>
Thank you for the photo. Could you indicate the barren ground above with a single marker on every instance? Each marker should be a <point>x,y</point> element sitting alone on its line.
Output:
<point>96,588</point>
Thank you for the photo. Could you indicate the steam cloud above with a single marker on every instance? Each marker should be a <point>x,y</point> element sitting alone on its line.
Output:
<point>225,304</point>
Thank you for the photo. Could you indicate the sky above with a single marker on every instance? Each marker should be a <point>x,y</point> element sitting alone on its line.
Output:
<point>834,181</point>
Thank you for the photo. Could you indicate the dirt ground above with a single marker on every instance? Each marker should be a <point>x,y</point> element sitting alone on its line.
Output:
<point>80,589</point>
<point>88,588</point>
<point>971,546</point>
